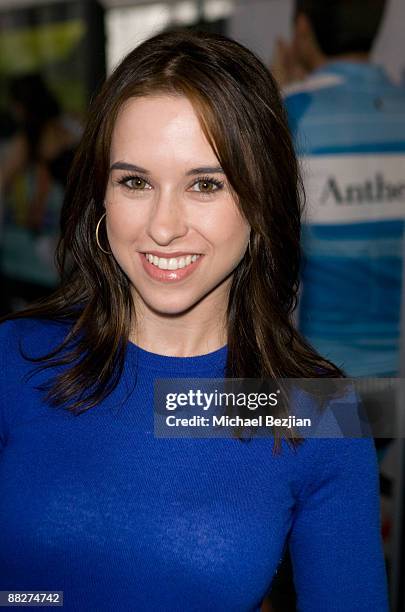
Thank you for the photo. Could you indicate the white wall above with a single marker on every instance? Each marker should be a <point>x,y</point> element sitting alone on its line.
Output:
<point>389,49</point>
<point>258,23</point>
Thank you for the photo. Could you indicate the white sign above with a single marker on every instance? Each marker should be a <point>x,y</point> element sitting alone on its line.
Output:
<point>354,188</point>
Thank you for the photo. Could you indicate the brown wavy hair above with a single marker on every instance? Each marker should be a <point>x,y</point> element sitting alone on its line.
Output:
<point>242,115</point>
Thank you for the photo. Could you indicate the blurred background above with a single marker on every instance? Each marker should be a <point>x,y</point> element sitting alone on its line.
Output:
<point>54,56</point>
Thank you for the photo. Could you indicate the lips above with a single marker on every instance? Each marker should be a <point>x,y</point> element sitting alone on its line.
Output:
<point>169,275</point>
<point>173,263</point>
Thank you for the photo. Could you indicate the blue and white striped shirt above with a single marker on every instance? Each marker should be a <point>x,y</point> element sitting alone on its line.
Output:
<point>348,121</point>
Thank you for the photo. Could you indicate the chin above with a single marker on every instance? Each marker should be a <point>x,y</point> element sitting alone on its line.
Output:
<point>173,305</point>
<point>171,309</point>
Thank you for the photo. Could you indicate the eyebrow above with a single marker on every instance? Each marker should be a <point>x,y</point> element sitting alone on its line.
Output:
<point>133,168</point>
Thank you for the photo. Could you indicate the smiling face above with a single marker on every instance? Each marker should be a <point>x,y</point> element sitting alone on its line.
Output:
<point>172,222</point>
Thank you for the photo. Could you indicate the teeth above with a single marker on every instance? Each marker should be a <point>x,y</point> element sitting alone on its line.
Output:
<point>174,263</point>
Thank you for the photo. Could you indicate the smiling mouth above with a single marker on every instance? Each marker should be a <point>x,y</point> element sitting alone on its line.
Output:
<point>171,263</point>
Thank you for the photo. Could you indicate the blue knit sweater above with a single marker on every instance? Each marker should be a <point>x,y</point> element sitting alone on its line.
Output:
<point>94,505</point>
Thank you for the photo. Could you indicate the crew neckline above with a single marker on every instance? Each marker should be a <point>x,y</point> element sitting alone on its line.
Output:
<point>196,363</point>
<point>365,70</point>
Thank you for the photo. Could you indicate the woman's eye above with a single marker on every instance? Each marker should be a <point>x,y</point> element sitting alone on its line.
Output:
<point>136,183</point>
<point>206,186</point>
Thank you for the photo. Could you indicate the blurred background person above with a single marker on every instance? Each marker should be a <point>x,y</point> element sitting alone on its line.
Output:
<point>33,174</point>
<point>348,119</point>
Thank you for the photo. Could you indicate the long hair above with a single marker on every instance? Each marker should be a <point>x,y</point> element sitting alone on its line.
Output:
<point>241,113</point>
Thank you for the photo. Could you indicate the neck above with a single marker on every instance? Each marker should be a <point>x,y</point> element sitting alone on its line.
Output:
<point>199,330</point>
<point>321,60</point>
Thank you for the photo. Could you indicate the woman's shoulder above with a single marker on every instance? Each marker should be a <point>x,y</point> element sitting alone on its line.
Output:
<point>22,340</point>
<point>36,334</point>
<point>337,444</point>
<point>346,464</point>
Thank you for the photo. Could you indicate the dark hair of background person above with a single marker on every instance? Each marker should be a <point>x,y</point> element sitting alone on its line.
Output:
<point>343,26</point>
<point>242,116</point>
<point>37,105</point>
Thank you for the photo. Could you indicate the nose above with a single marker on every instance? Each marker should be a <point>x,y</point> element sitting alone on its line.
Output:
<point>167,219</point>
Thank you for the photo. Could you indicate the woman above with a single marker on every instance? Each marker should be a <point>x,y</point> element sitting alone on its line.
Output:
<point>179,258</point>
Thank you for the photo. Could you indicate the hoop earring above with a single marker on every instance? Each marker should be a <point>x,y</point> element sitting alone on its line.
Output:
<point>249,248</point>
<point>97,239</point>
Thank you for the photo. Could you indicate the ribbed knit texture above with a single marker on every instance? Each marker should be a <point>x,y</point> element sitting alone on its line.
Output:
<point>96,506</point>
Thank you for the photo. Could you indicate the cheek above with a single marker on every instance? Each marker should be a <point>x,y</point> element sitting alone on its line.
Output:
<point>122,224</point>
<point>123,219</point>
<point>229,231</point>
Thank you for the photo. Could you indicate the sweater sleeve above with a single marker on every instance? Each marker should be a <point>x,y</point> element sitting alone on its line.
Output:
<point>335,541</point>
<point>4,346</point>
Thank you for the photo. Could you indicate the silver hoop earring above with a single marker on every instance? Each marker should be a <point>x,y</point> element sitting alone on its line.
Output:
<point>97,239</point>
